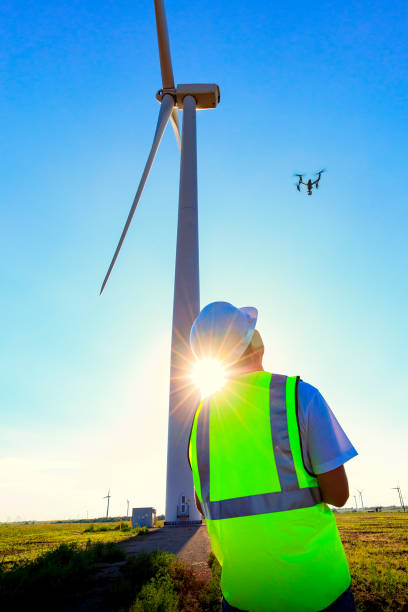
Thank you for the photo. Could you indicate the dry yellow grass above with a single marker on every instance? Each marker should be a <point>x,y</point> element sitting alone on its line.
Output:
<point>27,542</point>
<point>376,545</point>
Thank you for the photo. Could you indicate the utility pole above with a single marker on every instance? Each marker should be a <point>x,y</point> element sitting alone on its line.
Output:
<point>361,498</point>
<point>108,496</point>
<point>400,497</point>
<point>355,501</point>
<point>127,511</point>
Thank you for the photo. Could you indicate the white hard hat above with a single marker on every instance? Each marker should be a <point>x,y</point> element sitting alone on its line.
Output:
<point>222,331</point>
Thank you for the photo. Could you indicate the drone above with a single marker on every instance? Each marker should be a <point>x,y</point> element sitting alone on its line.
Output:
<point>309,183</point>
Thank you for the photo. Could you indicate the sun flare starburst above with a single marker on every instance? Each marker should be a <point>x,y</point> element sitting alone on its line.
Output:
<point>209,376</point>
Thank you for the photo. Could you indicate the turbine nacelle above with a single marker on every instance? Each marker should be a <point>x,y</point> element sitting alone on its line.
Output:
<point>205,95</point>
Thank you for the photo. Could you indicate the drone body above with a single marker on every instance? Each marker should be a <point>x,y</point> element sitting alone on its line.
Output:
<point>310,184</point>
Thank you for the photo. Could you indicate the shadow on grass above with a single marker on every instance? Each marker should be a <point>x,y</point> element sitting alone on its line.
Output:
<point>55,577</point>
<point>158,581</point>
<point>64,578</point>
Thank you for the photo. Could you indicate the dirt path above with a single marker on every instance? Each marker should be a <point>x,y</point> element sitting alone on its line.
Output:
<point>190,544</point>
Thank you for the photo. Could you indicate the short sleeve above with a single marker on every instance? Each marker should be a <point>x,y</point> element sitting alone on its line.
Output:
<point>324,443</point>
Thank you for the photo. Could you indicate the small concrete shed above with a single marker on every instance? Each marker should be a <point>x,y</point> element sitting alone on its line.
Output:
<point>143,517</point>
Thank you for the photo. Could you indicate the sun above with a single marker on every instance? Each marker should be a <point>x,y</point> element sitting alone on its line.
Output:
<point>209,376</point>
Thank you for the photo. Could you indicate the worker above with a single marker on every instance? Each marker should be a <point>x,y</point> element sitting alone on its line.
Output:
<point>267,457</point>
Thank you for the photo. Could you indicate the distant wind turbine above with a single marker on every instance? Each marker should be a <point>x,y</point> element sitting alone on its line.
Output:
<point>108,496</point>
<point>361,498</point>
<point>400,497</point>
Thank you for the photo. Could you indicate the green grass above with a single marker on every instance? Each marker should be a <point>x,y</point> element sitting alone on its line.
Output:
<point>20,543</point>
<point>159,582</point>
<point>376,545</point>
<point>54,578</point>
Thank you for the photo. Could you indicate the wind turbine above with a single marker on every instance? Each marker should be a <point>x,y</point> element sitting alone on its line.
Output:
<point>186,305</point>
<point>127,510</point>
<point>400,497</point>
<point>108,496</point>
<point>361,497</point>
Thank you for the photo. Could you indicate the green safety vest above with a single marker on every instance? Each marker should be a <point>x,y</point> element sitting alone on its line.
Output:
<point>277,542</point>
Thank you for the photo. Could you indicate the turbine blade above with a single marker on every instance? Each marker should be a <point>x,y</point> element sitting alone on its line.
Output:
<point>176,127</point>
<point>164,45</point>
<point>164,115</point>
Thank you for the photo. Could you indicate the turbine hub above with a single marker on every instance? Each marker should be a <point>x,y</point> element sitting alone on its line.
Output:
<point>205,95</point>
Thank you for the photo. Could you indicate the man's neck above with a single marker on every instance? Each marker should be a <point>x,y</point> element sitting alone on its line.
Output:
<point>255,366</point>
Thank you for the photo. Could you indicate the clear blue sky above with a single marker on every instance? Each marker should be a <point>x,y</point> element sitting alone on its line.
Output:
<point>84,379</point>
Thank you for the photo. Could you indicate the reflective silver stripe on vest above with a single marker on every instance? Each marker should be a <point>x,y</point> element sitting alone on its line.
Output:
<point>280,434</point>
<point>291,497</point>
<point>203,450</point>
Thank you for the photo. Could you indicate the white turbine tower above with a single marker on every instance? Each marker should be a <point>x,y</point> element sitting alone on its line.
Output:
<point>184,398</point>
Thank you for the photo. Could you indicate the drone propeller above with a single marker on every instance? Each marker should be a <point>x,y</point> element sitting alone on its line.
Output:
<point>321,171</point>
<point>300,175</point>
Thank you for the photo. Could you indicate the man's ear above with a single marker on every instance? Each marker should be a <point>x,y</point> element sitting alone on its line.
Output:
<point>257,344</point>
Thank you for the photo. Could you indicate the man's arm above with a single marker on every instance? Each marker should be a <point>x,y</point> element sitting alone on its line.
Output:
<point>334,486</point>
<point>327,448</point>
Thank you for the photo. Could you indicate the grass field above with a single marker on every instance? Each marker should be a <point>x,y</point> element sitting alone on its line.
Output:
<point>376,545</point>
<point>26,542</point>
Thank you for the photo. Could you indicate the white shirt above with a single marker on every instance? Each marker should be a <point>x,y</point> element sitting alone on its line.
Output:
<point>325,445</point>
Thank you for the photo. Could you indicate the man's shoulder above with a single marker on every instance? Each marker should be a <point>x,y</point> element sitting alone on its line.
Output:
<point>309,397</point>
<point>305,389</point>
<point>312,404</point>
